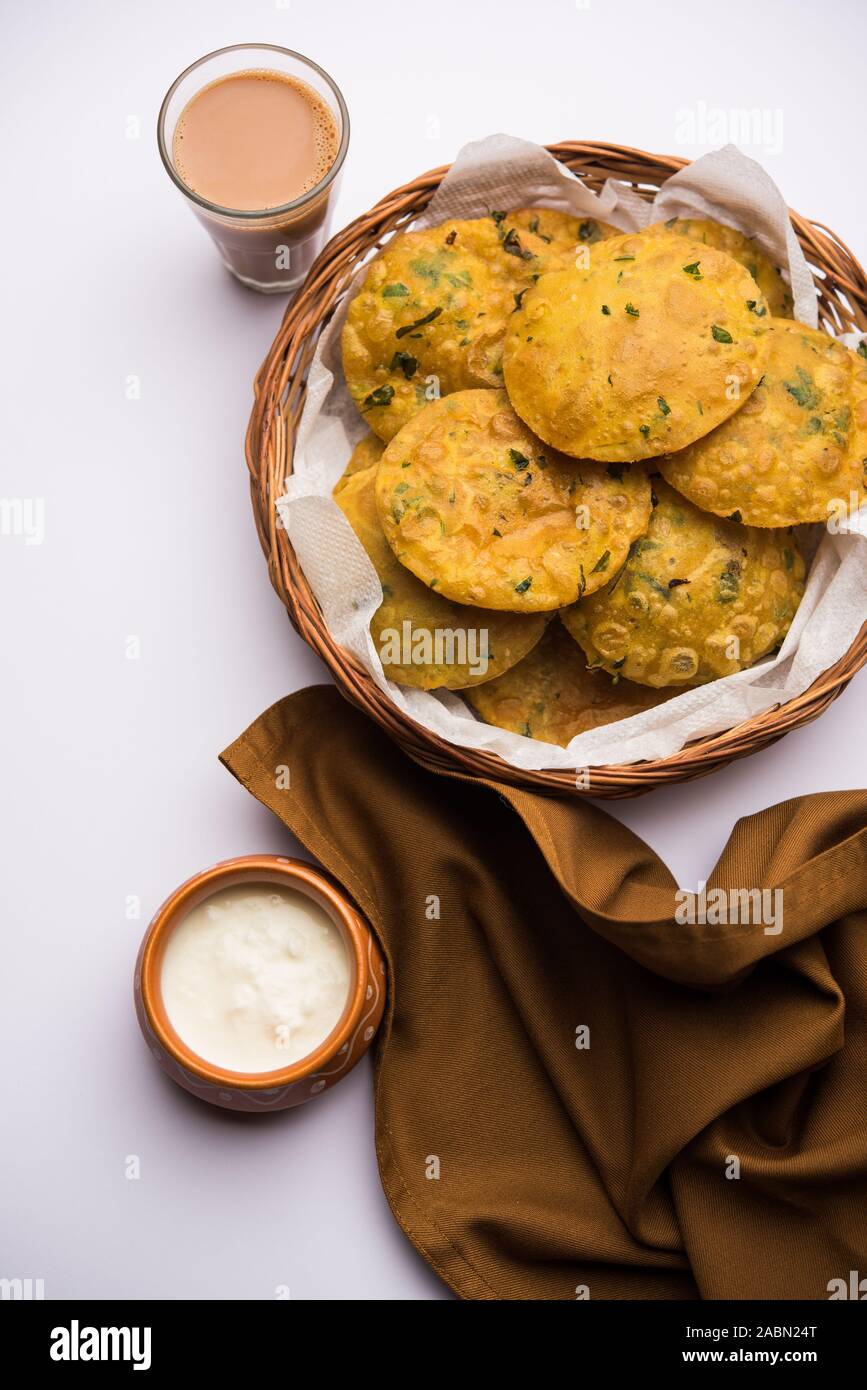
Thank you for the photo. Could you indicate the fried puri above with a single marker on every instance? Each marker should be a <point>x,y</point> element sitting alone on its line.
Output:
<point>741,248</point>
<point>648,349</point>
<point>797,450</point>
<point>431,314</point>
<point>552,696</point>
<point>698,598</point>
<point>366,454</point>
<point>448,645</point>
<point>476,506</point>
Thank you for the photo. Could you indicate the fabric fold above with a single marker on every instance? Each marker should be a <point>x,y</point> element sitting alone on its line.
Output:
<point>578,1094</point>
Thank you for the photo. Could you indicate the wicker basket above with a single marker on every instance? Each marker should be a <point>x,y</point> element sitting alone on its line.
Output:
<point>279,392</point>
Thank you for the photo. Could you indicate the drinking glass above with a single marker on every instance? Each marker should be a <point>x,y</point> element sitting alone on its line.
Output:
<point>271,249</point>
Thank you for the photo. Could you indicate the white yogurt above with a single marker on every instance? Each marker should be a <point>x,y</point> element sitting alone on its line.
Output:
<point>255,977</point>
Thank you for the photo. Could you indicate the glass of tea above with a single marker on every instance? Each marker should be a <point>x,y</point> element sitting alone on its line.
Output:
<point>255,137</point>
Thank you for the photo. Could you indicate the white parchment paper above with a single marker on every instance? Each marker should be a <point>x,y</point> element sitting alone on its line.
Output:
<point>503,172</point>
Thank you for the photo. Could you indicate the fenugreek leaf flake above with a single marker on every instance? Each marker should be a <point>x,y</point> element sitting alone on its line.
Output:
<point>619,575</point>
<point>512,246</point>
<point>404,362</point>
<point>729,582</point>
<point>534,228</point>
<point>419,323</point>
<point>721,335</point>
<point>803,390</point>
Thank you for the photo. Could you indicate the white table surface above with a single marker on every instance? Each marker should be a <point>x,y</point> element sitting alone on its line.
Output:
<point>112,789</point>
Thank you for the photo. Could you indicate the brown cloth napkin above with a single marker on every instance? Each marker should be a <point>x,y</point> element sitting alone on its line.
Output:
<point>524,1167</point>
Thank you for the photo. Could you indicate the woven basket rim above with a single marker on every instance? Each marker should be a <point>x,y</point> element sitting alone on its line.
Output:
<point>279,389</point>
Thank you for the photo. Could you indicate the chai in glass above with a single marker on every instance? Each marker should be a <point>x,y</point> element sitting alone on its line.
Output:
<point>257,151</point>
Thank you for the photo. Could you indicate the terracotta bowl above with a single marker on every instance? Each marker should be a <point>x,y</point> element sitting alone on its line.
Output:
<point>311,1075</point>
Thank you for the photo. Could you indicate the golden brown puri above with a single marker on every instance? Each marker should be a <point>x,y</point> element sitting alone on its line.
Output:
<point>477,507</point>
<point>797,451</point>
<point>741,248</point>
<point>366,454</point>
<point>552,696</point>
<point>447,645</point>
<point>648,349</point>
<point>430,316</point>
<point>698,598</point>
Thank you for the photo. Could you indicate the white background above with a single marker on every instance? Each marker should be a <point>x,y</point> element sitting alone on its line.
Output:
<point>110,780</point>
